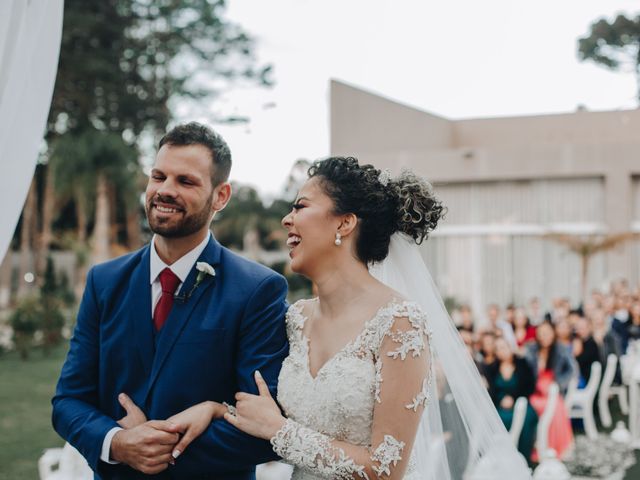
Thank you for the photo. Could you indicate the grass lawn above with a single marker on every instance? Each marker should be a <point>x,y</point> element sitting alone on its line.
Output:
<point>25,411</point>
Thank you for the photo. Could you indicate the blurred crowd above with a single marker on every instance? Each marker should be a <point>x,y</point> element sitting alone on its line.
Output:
<point>521,350</point>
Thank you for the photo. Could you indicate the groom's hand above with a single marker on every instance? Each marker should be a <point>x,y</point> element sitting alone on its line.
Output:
<point>134,416</point>
<point>147,447</point>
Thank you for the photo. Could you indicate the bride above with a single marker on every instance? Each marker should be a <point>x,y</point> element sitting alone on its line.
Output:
<point>377,383</point>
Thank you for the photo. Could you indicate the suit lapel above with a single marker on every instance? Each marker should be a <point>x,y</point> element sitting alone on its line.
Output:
<point>140,298</point>
<point>181,310</point>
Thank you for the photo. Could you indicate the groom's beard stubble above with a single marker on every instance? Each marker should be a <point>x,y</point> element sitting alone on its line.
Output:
<point>187,225</point>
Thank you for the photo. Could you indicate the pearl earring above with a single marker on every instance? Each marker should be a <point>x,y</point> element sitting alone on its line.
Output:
<point>338,240</point>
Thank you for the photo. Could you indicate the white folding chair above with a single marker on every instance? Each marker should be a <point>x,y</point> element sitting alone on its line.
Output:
<point>622,392</point>
<point>579,402</point>
<point>273,471</point>
<point>63,464</point>
<point>542,433</point>
<point>517,422</point>
<point>607,390</point>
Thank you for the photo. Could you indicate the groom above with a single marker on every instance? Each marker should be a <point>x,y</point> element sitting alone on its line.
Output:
<point>181,321</point>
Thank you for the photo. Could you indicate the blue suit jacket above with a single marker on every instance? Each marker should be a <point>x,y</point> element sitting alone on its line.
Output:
<point>208,349</point>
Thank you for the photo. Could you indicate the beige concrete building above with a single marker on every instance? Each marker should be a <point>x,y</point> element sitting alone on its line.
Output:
<point>507,182</point>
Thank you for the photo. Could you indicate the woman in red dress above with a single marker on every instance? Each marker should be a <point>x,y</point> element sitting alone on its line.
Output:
<point>553,363</point>
<point>522,328</point>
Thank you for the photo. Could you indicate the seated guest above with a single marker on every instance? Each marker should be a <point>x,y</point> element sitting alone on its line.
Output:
<point>585,350</point>
<point>620,319</point>
<point>511,377</point>
<point>551,362</point>
<point>499,325</point>
<point>589,307</point>
<point>487,351</point>
<point>573,317</point>
<point>535,314</point>
<point>564,332</point>
<point>606,339</point>
<point>561,308</point>
<point>522,328</point>
<point>632,330</point>
<point>510,314</point>
<point>466,319</point>
<point>468,339</point>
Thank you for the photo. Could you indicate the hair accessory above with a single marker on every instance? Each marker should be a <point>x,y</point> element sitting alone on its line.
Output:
<point>338,240</point>
<point>384,177</point>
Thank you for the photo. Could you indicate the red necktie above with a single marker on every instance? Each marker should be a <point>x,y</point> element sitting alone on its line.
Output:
<point>169,282</point>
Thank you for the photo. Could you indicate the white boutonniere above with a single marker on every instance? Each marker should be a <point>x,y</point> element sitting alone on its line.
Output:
<point>204,270</point>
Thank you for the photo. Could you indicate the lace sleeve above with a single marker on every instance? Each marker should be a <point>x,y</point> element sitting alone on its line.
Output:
<point>402,386</point>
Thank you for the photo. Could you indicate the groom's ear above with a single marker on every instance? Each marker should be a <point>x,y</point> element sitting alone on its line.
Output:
<point>221,196</point>
<point>348,224</point>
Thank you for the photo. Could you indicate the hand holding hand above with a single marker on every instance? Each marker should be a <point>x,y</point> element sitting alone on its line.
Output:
<point>134,416</point>
<point>193,421</point>
<point>146,447</point>
<point>257,415</point>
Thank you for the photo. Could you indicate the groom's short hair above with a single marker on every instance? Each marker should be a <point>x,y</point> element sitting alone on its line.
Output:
<point>194,133</point>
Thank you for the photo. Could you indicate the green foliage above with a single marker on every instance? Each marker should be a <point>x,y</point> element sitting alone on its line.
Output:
<point>79,157</point>
<point>122,61</point>
<point>451,304</point>
<point>49,283</point>
<point>246,212</point>
<point>65,291</point>
<point>25,321</point>
<point>615,45</point>
<point>299,286</point>
<point>53,295</point>
<point>42,314</point>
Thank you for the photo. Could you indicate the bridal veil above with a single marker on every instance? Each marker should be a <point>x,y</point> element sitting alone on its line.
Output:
<point>461,435</point>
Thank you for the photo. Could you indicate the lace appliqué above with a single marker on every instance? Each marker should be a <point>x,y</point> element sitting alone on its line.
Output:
<point>411,342</point>
<point>423,396</point>
<point>387,455</point>
<point>378,379</point>
<point>308,449</point>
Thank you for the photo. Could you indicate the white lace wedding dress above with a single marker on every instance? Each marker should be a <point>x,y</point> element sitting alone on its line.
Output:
<point>338,405</point>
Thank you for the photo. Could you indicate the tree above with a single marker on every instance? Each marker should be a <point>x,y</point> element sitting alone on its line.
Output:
<point>588,247</point>
<point>25,321</point>
<point>51,317</point>
<point>86,165</point>
<point>297,177</point>
<point>615,45</point>
<point>122,61</point>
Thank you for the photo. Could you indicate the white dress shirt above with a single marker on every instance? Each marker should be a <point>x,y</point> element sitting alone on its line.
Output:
<point>181,268</point>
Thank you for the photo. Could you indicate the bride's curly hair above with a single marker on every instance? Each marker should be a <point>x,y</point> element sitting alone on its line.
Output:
<point>383,206</point>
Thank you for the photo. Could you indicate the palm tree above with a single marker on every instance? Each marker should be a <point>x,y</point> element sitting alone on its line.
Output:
<point>589,246</point>
<point>88,167</point>
<point>48,206</point>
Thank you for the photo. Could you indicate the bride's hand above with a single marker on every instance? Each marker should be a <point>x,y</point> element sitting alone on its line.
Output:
<point>257,415</point>
<point>134,416</point>
<point>193,421</point>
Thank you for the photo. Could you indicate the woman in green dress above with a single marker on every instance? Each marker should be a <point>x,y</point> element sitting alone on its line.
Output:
<point>511,377</point>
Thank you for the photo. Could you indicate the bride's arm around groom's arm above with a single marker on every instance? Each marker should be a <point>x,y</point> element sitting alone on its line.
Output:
<point>401,396</point>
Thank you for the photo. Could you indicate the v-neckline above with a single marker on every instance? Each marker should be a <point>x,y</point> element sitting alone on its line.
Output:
<point>307,342</point>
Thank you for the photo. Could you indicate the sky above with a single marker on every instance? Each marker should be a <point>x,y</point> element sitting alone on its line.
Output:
<point>454,58</point>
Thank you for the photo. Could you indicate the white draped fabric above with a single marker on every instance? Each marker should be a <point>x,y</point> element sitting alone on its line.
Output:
<point>30,34</point>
